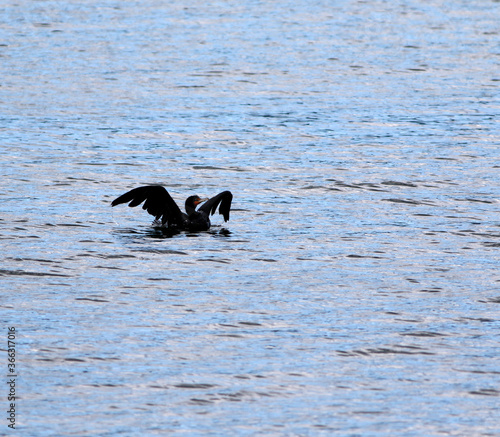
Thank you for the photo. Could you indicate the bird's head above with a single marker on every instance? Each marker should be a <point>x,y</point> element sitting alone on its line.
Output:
<point>192,202</point>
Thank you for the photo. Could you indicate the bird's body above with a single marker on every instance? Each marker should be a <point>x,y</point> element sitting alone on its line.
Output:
<point>160,204</point>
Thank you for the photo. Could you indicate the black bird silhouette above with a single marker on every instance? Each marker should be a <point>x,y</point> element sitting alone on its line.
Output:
<point>160,204</point>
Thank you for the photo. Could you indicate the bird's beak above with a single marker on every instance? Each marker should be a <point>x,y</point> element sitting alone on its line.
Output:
<point>197,202</point>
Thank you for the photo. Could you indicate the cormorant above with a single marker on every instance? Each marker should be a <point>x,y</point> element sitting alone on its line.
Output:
<point>160,204</point>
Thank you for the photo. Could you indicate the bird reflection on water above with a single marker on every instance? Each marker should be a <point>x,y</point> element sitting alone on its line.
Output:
<point>161,232</point>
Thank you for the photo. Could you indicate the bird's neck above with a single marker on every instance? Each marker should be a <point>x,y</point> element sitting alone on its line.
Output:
<point>190,209</point>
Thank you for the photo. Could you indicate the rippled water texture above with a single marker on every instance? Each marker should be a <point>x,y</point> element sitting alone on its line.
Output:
<point>355,290</point>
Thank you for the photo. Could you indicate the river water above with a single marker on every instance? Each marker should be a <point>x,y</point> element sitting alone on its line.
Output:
<point>355,290</point>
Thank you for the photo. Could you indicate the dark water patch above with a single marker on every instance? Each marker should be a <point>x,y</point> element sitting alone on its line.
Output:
<point>409,201</point>
<point>39,260</point>
<point>189,86</point>
<point>215,260</point>
<point>431,290</point>
<point>92,299</point>
<point>476,319</point>
<point>161,251</point>
<point>313,187</point>
<point>5,272</point>
<point>201,386</point>
<point>399,184</point>
<point>393,350</point>
<point>117,256</point>
<point>485,392</point>
<point>42,24</point>
<point>480,372</point>
<point>196,401</point>
<point>104,359</point>
<point>84,179</point>
<point>361,185</point>
<point>491,244</point>
<point>109,267</point>
<point>73,225</point>
<point>160,387</point>
<point>469,199</point>
<point>364,256</point>
<point>210,167</point>
<point>240,395</point>
<point>373,412</point>
<point>423,334</point>
<point>490,300</point>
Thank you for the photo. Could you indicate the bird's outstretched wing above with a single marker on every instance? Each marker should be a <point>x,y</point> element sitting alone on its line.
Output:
<point>157,202</point>
<point>224,199</point>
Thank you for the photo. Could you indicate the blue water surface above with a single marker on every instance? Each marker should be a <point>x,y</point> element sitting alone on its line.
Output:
<point>355,290</point>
